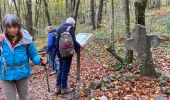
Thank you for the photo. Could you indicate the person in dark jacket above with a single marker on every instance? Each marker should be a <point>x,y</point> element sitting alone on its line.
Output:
<point>65,63</point>
<point>51,49</point>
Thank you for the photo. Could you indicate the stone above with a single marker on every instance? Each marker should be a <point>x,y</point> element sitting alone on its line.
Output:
<point>103,98</point>
<point>142,43</point>
<point>159,97</point>
<point>168,91</point>
<point>95,85</point>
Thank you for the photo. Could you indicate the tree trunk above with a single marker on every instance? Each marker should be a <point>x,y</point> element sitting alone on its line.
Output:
<point>168,2</point>
<point>159,4</point>
<point>47,12</point>
<point>29,17</point>
<point>140,6</point>
<point>111,48</point>
<point>19,8</point>
<point>4,6</point>
<point>92,14</point>
<point>1,20</point>
<point>129,54</point>
<point>112,22</point>
<point>67,8</point>
<point>99,20</point>
<point>16,8</point>
<point>37,11</point>
<point>24,12</point>
<point>76,10</point>
<point>73,4</point>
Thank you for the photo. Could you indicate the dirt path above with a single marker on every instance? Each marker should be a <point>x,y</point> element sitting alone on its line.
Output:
<point>91,69</point>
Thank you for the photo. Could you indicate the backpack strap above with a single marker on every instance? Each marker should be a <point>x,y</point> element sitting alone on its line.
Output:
<point>68,28</point>
<point>55,33</point>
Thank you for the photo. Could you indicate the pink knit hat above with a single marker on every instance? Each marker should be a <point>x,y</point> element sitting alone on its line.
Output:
<point>70,20</point>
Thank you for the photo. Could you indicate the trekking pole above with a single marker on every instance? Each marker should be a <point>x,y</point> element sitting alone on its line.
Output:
<point>46,75</point>
<point>78,70</point>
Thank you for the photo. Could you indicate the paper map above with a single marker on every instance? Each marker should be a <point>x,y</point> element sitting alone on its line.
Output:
<point>83,38</point>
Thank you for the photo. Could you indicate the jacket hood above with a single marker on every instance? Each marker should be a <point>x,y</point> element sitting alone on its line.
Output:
<point>26,37</point>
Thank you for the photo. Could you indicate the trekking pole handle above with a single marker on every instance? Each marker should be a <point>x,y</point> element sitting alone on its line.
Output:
<point>43,57</point>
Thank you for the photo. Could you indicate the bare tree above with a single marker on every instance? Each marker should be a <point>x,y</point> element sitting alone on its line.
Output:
<point>16,8</point>
<point>153,4</point>
<point>129,55</point>
<point>47,12</point>
<point>99,20</point>
<point>4,6</point>
<point>76,10</point>
<point>67,7</point>
<point>24,12</point>
<point>1,19</point>
<point>111,48</point>
<point>19,8</point>
<point>140,6</point>
<point>112,24</point>
<point>70,6</point>
<point>92,14</point>
<point>29,17</point>
<point>37,15</point>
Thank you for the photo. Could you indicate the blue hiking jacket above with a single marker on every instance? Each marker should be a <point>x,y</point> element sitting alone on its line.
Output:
<point>51,45</point>
<point>14,63</point>
<point>72,32</point>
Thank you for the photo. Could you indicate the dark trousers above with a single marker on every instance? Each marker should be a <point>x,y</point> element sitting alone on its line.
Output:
<point>65,64</point>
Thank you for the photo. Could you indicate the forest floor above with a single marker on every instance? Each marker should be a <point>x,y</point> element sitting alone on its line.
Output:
<point>96,65</point>
<point>101,78</point>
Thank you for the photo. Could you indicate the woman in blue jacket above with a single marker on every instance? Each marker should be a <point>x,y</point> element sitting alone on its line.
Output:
<point>14,58</point>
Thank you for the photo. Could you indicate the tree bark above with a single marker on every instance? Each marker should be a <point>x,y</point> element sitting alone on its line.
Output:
<point>129,54</point>
<point>92,14</point>
<point>76,10</point>
<point>19,8</point>
<point>24,12</point>
<point>1,20</point>
<point>29,17</point>
<point>16,8</point>
<point>111,48</point>
<point>66,8</point>
<point>4,6</point>
<point>112,22</point>
<point>37,11</point>
<point>47,12</point>
<point>140,6</point>
<point>73,4</point>
<point>168,2</point>
<point>99,20</point>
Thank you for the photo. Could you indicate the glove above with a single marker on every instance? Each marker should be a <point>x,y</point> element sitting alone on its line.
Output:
<point>43,61</point>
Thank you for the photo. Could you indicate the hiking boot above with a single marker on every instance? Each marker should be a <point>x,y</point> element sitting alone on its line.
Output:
<point>58,90</point>
<point>66,90</point>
